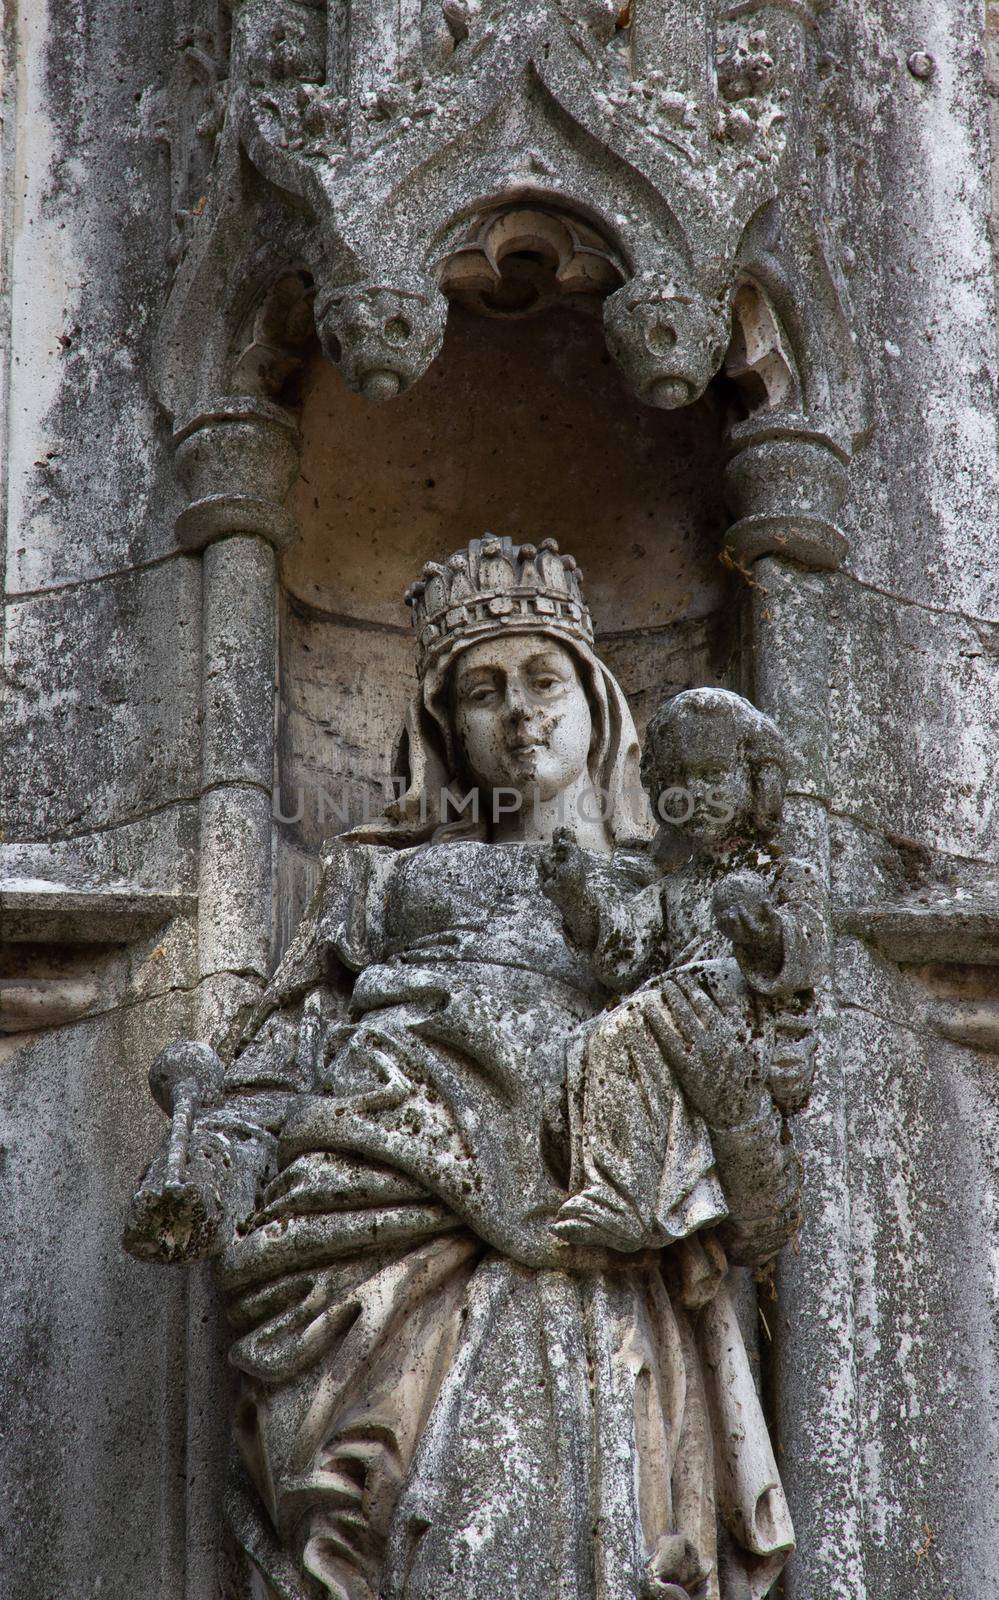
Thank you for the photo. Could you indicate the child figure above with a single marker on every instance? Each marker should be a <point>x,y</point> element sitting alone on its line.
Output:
<point>719,953</point>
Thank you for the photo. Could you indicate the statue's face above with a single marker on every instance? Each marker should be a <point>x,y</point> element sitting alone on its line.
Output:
<point>521,715</point>
<point>715,783</point>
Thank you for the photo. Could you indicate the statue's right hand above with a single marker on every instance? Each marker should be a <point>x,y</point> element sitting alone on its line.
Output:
<point>172,1220</point>
<point>564,873</point>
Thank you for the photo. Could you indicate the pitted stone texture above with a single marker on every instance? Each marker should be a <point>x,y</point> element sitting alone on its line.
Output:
<point>237,461</point>
<point>391,142</point>
<point>382,340</point>
<point>157,852</point>
<point>523,428</point>
<point>71,967</point>
<point>101,714</point>
<point>811,1345</point>
<point>922,1131</point>
<point>924,670</point>
<point>668,340</point>
<point>343,687</point>
<point>405,1081</point>
<point>90,482</point>
<point>905,186</point>
<point>923,516</point>
<point>238,645</point>
<point>97,1362</point>
<point>785,495</point>
<point>234,883</point>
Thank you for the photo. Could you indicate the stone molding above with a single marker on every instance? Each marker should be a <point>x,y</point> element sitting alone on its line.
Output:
<point>37,912</point>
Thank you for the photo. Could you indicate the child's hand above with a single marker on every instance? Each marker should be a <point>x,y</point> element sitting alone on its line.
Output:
<point>746,914</point>
<point>564,875</point>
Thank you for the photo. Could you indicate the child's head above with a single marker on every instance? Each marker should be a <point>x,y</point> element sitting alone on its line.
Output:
<point>713,766</point>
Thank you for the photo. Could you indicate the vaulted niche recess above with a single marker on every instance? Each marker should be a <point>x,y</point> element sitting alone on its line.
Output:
<point>522,426</point>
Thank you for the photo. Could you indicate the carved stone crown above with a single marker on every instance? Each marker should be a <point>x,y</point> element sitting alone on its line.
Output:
<point>495,586</point>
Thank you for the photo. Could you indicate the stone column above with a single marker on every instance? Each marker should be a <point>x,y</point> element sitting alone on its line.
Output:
<point>238,461</point>
<point>786,487</point>
<point>812,1325</point>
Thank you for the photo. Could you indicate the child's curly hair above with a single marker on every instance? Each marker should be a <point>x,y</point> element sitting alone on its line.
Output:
<point>755,738</point>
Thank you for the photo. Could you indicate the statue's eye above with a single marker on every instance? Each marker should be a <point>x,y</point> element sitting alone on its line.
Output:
<point>546,681</point>
<point>482,693</point>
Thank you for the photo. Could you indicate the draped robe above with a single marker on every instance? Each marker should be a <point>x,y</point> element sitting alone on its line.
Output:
<point>437,1397</point>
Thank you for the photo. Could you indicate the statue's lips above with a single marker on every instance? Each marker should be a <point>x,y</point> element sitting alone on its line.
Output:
<point>527,747</point>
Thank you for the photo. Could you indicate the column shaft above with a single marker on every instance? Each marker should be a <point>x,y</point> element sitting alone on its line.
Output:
<point>813,1354</point>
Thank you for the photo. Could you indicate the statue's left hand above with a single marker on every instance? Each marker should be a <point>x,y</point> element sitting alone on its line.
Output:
<point>748,916</point>
<point>714,1063</point>
<point>180,1217</point>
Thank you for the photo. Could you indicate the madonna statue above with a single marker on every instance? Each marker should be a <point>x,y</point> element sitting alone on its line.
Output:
<point>440,1392</point>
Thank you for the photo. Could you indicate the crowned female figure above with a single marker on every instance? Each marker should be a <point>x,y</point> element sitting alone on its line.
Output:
<point>438,1394</point>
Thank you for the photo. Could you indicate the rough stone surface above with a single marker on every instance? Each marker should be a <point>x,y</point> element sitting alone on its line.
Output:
<point>870,333</point>
<point>103,702</point>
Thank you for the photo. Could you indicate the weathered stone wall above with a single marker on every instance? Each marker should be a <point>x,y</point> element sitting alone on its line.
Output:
<point>913,688</point>
<point>100,746</point>
<point>881,1341</point>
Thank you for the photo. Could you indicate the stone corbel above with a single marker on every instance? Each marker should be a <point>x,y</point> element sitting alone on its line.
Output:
<point>67,952</point>
<point>946,946</point>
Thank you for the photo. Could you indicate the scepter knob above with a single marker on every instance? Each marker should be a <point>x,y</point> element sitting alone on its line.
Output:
<point>184,1077</point>
<point>182,1062</point>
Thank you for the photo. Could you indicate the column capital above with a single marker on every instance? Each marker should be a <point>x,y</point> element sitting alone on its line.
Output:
<point>237,458</point>
<point>785,487</point>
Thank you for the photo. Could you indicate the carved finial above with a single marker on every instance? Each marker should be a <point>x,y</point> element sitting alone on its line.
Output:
<point>667,337</point>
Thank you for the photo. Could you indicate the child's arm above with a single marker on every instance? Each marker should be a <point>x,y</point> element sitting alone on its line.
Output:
<point>780,929</point>
<point>620,928</point>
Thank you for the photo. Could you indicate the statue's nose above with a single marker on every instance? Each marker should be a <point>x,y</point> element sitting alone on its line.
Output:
<point>518,706</point>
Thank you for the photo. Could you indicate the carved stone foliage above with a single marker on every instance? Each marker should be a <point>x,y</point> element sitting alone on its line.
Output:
<point>656,157</point>
<point>522,259</point>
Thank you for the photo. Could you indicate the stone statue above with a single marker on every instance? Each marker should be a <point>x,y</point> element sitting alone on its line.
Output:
<point>736,935</point>
<point>473,1210</point>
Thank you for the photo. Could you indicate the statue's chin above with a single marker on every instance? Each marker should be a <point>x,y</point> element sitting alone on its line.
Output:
<point>707,835</point>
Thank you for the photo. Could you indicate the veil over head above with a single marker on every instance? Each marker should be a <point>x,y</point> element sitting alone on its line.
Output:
<point>428,759</point>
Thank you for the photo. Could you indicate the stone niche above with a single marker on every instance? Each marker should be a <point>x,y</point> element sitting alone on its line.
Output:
<point>522,426</point>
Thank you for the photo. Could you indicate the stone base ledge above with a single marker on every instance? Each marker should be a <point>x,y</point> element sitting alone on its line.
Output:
<point>36,911</point>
